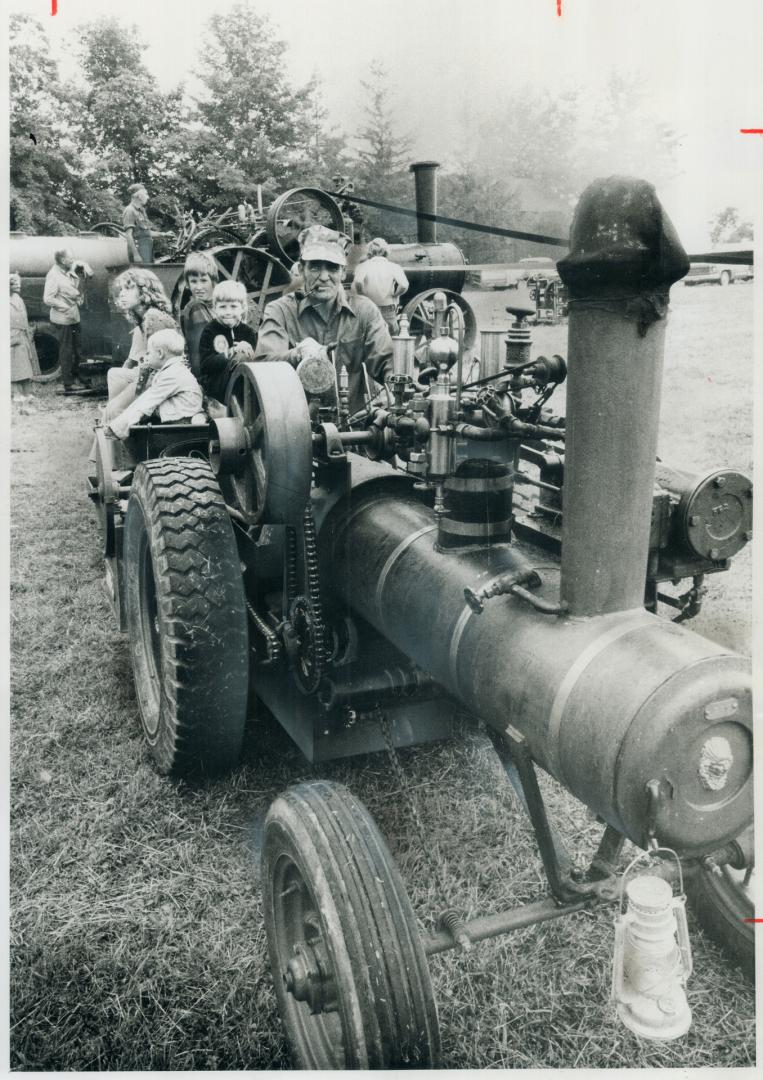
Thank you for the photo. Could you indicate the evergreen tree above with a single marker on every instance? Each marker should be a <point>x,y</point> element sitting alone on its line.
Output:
<point>381,161</point>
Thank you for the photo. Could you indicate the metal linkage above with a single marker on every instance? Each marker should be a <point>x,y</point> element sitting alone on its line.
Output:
<point>572,889</point>
<point>688,603</point>
<point>567,882</point>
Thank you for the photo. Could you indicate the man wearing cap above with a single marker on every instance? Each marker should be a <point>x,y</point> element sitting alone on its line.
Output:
<point>382,281</point>
<point>140,244</point>
<point>320,312</point>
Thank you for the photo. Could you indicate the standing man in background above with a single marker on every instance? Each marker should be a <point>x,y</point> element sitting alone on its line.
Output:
<point>140,244</point>
<point>382,281</point>
<point>63,295</point>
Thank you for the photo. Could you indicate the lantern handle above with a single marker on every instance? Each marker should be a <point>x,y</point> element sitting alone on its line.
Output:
<point>684,946</point>
<point>651,853</point>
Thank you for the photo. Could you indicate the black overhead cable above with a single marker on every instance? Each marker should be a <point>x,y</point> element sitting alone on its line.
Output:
<point>738,257</point>
<point>494,230</point>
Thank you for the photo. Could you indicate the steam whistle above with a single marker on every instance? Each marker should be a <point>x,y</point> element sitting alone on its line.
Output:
<point>439,307</point>
<point>403,346</point>
<point>401,380</point>
<point>652,960</point>
<point>344,397</point>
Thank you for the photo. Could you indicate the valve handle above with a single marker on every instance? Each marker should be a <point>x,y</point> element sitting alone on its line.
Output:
<point>520,312</point>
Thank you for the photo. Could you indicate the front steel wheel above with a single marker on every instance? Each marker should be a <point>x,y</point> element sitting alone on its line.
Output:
<point>351,977</point>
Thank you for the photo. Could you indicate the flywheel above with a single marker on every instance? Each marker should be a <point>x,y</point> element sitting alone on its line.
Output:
<point>262,451</point>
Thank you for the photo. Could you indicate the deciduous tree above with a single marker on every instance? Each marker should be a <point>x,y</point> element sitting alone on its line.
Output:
<point>726,228</point>
<point>252,126</point>
<point>47,191</point>
<point>122,119</point>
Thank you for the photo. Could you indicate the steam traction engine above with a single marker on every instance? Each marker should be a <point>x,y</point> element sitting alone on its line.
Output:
<point>368,577</point>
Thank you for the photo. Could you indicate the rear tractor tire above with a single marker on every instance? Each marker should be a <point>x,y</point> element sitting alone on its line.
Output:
<point>351,977</point>
<point>186,617</point>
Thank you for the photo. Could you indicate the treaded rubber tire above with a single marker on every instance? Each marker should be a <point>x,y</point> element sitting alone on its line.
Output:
<point>320,833</point>
<point>721,906</point>
<point>186,617</point>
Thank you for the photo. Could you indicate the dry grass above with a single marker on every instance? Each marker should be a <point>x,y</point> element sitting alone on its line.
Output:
<point>137,941</point>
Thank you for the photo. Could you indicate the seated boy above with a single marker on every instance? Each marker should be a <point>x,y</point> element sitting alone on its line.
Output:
<point>226,341</point>
<point>173,390</point>
<point>200,275</point>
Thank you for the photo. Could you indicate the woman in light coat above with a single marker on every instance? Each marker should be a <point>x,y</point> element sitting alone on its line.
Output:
<point>24,362</point>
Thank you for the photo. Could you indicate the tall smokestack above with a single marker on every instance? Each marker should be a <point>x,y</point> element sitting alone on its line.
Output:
<point>425,178</point>
<point>624,256</point>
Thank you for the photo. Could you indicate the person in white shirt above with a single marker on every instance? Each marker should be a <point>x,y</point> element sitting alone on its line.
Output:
<point>173,390</point>
<point>63,295</point>
<point>382,281</point>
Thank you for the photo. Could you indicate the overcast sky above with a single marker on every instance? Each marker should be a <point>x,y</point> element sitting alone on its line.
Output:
<point>701,59</point>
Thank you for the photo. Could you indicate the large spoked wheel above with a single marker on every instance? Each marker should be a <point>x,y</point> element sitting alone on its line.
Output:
<point>350,973</point>
<point>186,617</point>
<point>46,346</point>
<point>264,277</point>
<point>108,228</point>
<point>722,902</point>
<point>294,211</point>
<point>420,314</point>
<point>263,454</point>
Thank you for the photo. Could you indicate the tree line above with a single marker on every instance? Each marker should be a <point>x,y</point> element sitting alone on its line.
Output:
<point>77,144</point>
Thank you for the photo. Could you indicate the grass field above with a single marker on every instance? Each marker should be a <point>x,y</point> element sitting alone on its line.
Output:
<point>136,936</point>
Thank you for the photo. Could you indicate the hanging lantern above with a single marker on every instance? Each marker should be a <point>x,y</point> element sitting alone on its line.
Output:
<point>652,959</point>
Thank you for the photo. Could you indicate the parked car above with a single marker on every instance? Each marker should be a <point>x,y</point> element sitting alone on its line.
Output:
<point>717,274</point>
<point>511,275</point>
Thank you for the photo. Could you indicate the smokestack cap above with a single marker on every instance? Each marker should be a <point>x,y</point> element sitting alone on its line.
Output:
<point>621,243</point>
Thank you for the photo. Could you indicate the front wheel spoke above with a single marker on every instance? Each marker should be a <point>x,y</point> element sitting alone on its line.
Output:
<point>257,430</point>
<point>236,409</point>
<point>259,479</point>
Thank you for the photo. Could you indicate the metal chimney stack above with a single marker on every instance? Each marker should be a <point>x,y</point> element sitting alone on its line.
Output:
<point>425,178</point>
<point>624,256</point>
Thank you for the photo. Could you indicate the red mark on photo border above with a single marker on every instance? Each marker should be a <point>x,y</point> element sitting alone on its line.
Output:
<point>751,131</point>
<point>752,920</point>
<point>559,8</point>
<point>54,7</point>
